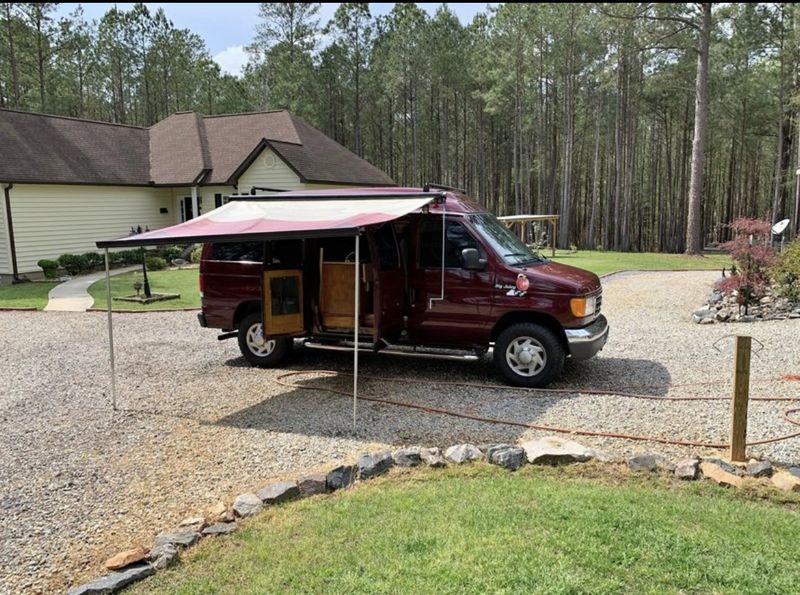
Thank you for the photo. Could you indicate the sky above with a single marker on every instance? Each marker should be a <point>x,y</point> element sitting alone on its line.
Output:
<point>228,27</point>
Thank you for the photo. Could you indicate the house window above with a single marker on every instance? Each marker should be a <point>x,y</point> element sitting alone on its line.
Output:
<point>217,201</point>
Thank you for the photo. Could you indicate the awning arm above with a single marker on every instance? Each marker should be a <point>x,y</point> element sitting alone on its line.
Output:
<point>356,308</point>
<point>111,336</point>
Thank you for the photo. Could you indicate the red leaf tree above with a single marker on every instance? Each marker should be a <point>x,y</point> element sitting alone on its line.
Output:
<point>753,256</point>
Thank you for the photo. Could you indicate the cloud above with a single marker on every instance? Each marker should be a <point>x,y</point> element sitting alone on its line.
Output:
<point>232,59</point>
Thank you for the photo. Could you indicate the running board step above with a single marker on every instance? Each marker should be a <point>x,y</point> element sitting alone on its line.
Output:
<point>418,354</point>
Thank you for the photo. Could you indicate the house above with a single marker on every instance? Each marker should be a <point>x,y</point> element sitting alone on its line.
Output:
<point>68,182</point>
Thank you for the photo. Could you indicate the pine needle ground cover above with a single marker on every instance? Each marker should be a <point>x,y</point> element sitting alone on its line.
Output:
<point>480,529</point>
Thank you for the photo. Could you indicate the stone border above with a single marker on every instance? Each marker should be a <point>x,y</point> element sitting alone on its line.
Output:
<point>20,309</point>
<point>105,310</point>
<point>138,563</point>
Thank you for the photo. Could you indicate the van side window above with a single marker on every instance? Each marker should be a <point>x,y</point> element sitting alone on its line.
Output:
<point>238,251</point>
<point>456,239</point>
<point>387,247</point>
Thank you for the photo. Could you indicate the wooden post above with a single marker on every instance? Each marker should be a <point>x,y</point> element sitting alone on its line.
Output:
<point>554,223</point>
<point>741,394</point>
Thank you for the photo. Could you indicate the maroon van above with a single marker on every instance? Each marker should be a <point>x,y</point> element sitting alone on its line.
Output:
<point>493,291</point>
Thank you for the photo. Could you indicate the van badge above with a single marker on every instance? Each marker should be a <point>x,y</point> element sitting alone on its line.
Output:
<point>523,282</point>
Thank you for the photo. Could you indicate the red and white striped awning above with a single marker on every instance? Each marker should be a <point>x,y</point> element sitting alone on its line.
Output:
<point>285,215</point>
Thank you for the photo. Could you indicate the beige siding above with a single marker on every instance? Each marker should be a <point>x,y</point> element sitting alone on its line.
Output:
<point>50,220</point>
<point>270,171</point>
<point>5,251</point>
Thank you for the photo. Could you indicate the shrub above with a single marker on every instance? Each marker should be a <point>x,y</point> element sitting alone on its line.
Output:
<point>197,254</point>
<point>752,257</point>
<point>74,264</point>
<point>786,272</point>
<point>155,263</point>
<point>50,268</point>
<point>170,253</point>
<point>114,259</point>
<point>94,260</point>
<point>130,257</point>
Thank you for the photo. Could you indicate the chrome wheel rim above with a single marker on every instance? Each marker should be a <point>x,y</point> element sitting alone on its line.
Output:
<point>256,343</point>
<point>526,356</point>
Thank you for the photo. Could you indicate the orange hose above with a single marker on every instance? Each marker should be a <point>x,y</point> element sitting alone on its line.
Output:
<point>548,428</point>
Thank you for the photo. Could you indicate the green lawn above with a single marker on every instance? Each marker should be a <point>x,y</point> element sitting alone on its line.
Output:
<point>481,529</point>
<point>182,281</point>
<point>25,295</point>
<point>601,263</point>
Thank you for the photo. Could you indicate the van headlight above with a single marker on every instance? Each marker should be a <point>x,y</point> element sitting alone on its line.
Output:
<point>583,306</point>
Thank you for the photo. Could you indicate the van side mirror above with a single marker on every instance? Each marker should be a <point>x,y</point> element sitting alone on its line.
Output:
<point>471,260</point>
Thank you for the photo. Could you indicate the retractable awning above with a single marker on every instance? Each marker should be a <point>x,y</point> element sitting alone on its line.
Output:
<point>284,215</point>
<point>324,213</point>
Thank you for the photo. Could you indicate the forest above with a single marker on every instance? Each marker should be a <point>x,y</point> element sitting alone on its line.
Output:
<point>647,127</point>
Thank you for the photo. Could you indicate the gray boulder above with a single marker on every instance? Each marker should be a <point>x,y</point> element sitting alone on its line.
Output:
<point>510,457</point>
<point>687,469</point>
<point>278,492</point>
<point>433,457</point>
<point>311,485</point>
<point>553,450</point>
<point>220,529</point>
<point>341,477</point>
<point>163,556</point>
<point>111,583</point>
<point>462,453</point>
<point>372,465</point>
<point>407,457</point>
<point>177,538</point>
<point>247,505</point>
<point>650,462</point>
<point>725,466</point>
<point>757,468</point>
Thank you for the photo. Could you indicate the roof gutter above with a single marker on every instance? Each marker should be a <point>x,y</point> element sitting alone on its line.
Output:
<point>10,225</point>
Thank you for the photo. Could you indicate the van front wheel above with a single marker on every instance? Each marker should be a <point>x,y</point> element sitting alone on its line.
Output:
<point>258,350</point>
<point>529,355</point>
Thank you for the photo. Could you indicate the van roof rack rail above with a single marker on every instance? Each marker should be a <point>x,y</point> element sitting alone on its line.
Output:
<point>429,185</point>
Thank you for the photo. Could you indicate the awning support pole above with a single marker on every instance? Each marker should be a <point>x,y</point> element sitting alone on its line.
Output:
<point>355,332</point>
<point>111,336</point>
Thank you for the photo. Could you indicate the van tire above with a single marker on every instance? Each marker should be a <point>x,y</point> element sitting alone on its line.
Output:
<point>529,354</point>
<point>268,356</point>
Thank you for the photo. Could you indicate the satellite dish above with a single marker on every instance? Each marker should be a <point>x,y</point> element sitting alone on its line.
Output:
<point>781,225</point>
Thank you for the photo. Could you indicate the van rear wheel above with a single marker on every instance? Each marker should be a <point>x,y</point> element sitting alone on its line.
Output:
<point>258,350</point>
<point>529,355</point>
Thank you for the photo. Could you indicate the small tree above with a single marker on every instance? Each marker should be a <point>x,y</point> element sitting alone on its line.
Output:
<point>753,256</point>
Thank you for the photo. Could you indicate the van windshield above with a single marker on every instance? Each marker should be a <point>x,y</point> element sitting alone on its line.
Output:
<point>503,241</point>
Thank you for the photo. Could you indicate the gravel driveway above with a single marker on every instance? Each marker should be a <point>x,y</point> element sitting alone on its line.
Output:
<point>79,482</point>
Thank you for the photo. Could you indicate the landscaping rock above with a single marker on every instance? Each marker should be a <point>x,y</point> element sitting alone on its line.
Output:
<point>219,513</point>
<point>553,450</point>
<point>163,556</point>
<point>111,583</point>
<point>197,523</point>
<point>433,457</point>
<point>278,492</point>
<point>726,466</point>
<point>759,468</point>
<point>788,482</point>
<point>601,456</point>
<point>311,485</point>
<point>719,475</point>
<point>247,505</point>
<point>687,469</point>
<point>510,457</point>
<point>407,457</point>
<point>372,465</point>
<point>461,453</point>
<point>126,558</point>
<point>177,538</point>
<point>220,529</point>
<point>794,471</point>
<point>643,463</point>
<point>341,477</point>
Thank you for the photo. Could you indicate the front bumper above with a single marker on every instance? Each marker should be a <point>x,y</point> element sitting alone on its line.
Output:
<point>587,341</point>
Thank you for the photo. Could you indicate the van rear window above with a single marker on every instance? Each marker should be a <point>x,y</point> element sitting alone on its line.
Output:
<point>238,252</point>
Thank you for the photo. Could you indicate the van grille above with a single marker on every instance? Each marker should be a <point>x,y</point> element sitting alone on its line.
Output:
<point>598,302</point>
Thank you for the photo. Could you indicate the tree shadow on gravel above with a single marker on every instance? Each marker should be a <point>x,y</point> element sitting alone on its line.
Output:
<point>307,408</point>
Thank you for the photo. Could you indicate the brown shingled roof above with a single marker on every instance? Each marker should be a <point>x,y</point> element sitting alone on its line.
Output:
<point>53,149</point>
<point>185,148</point>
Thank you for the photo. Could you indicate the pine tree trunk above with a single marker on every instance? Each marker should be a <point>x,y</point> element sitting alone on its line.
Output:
<point>694,223</point>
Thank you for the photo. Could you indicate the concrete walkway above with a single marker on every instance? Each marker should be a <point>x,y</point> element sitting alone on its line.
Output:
<point>73,295</point>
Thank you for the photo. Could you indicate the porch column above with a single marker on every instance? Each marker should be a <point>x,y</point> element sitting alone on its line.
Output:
<point>194,202</point>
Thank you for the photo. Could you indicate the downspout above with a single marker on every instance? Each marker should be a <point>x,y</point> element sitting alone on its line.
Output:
<point>10,225</point>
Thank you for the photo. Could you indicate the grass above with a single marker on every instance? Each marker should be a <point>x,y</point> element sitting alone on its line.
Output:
<point>25,295</point>
<point>602,263</point>
<point>479,529</point>
<point>182,281</point>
